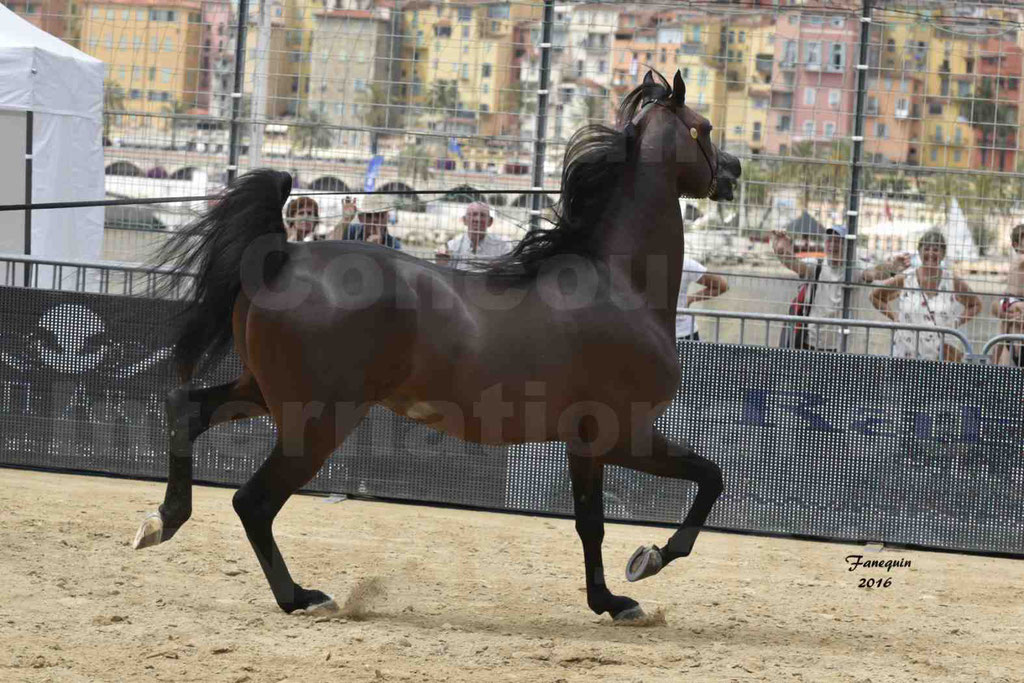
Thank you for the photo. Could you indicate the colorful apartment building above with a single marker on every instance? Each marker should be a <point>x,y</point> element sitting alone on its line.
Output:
<point>457,64</point>
<point>997,104</point>
<point>59,18</point>
<point>151,50</point>
<point>350,74</point>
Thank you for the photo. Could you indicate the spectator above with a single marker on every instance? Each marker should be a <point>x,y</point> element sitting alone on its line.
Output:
<point>1010,309</point>
<point>927,295</point>
<point>348,212</point>
<point>474,244</point>
<point>829,278</point>
<point>714,285</point>
<point>372,224</point>
<point>302,219</point>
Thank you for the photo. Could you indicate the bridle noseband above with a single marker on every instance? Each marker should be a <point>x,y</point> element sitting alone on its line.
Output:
<point>646,105</point>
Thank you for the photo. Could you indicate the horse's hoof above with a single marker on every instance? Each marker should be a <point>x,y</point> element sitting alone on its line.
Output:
<point>645,561</point>
<point>634,613</point>
<point>151,532</point>
<point>327,608</point>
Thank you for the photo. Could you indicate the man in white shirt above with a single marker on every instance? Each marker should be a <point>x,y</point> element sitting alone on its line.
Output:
<point>831,277</point>
<point>474,244</point>
<point>714,285</point>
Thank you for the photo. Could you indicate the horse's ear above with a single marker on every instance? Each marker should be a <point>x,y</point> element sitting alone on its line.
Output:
<point>649,79</point>
<point>678,90</point>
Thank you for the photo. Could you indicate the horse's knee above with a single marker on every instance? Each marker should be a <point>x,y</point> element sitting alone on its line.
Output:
<point>252,507</point>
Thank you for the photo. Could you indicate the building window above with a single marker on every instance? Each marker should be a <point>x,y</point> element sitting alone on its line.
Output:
<point>756,137</point>
<point>465,14</point>
<point>737,131</point>
<point>784,123</point>
<point>602,67</point>
<point>789,53</point>
<point>830,129</point>
<point>809,129</point>
<point>812,54</point>
<point>465,32</point>
<point>809,96</point>
<point>956,155</point>
<point>485,70</point>
<point>833,98</point>
<point>837,57</point>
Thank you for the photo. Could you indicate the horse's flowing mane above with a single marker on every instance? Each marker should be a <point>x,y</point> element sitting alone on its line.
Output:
<point>595,160</point>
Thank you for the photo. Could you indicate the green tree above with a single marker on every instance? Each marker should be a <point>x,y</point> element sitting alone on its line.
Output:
<point>378,114</point>
<point>113,101</point>
<point>310,131</point>
<point>995,120</point>
<point>414,162</point>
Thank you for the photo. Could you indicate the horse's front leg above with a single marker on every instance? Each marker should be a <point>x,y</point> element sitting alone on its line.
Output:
<point>588,505</point>
<point>677,461</point>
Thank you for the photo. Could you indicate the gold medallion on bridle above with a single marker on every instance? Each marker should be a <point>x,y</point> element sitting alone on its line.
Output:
<point>693,133</point>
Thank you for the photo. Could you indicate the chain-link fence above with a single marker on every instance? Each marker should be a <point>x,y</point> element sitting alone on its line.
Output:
<point>887,120</point>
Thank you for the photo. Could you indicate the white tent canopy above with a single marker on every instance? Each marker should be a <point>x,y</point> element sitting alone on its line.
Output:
<point>62,88</point>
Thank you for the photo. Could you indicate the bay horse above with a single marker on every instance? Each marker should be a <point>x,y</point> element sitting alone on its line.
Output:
<point>568,338</point>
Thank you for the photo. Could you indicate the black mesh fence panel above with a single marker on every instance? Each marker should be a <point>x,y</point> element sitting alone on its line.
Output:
<point>817,444</point>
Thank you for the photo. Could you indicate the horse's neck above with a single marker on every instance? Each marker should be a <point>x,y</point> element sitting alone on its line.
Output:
<point>642,234</point>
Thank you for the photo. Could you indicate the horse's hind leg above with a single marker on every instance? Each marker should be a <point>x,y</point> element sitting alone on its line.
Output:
<point>190,412</point>
<point>677,461</point>
<point>298,455</point>
<point>588,505</point>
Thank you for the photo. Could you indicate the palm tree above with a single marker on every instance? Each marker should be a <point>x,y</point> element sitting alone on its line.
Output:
<point>310,131</point>
<point>378,113</point>
<point>176,109</point>
<point>113,101</point>
<point>414,162</point>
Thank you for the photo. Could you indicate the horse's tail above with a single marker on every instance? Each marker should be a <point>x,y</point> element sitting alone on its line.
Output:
<point>211,249</point>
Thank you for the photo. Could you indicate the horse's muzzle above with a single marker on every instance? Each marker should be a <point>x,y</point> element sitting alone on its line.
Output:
<point>728,174</point>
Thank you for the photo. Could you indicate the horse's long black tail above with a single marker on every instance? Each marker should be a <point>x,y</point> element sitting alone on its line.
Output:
<point>211,249</point>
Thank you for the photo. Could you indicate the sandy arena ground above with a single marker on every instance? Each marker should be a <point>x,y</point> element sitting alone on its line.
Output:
<point>454,595</point>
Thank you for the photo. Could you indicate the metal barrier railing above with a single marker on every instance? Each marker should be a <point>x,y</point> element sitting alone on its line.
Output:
<point>100,277</point>
<point>134,279</point>
<point>845,326</point>
<point>1000,339</point>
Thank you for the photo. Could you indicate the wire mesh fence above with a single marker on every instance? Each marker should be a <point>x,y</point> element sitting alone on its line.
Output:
<point>888,120</point>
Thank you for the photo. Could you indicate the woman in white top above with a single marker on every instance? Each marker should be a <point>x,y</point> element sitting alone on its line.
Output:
<point>714,285</point>
<point>927,295</point>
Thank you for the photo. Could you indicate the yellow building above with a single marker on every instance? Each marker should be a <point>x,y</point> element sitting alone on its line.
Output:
<point>949,61</point>
<point>749,52</point>
<point>151,50</point>
<point>457,64</point>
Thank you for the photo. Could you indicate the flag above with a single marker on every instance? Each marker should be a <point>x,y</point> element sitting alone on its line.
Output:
<point>453,147</point>
<point>371,173</point>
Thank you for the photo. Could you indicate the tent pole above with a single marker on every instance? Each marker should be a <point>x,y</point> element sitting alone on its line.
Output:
<point>28,194</point>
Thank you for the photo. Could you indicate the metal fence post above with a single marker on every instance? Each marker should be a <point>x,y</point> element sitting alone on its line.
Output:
<point>853,205</point>
<point>241,34</point>
<point>539,144</point>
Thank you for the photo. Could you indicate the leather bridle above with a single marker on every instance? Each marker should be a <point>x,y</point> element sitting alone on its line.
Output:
<point>646,105</point>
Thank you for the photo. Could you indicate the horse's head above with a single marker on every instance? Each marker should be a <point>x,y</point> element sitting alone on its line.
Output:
<point>673,134</point>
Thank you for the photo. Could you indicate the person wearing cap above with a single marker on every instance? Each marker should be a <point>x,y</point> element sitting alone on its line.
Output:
<point>829,274</point>
<point>371,223</point>
<point>474,244</point>
<point>303,217</point>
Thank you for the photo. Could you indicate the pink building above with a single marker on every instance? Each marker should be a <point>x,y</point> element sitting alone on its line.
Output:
<point>216,62</point>
<point>814,79</point>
